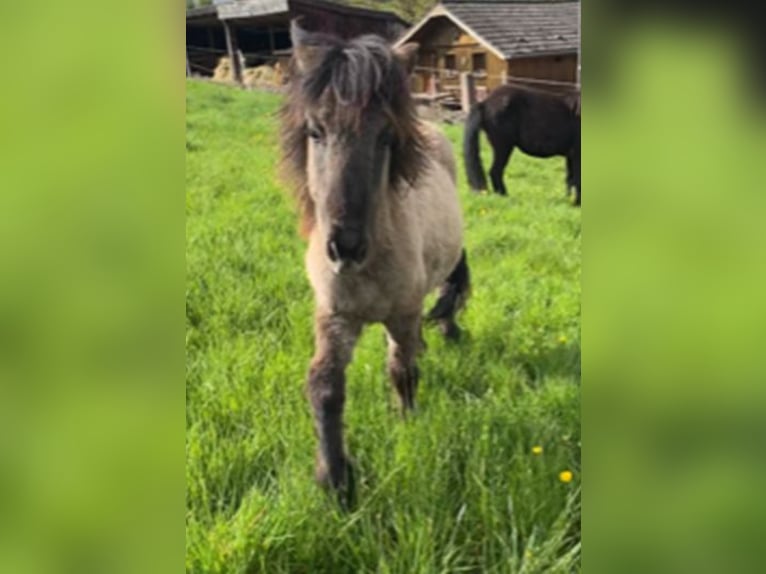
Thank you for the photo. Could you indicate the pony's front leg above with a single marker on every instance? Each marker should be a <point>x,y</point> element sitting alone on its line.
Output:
<point>501,157</point>
<point>573,174</point>
<point>404,343</point>
<point>570,175</point>
<point>335,340</point>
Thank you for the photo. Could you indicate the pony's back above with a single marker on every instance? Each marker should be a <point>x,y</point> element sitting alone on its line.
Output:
<point>511,102</point>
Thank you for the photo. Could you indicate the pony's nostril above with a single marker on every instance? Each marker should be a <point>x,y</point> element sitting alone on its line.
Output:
<point>362,251</point>
<point>332,251</point>
<point>347,245</point>
<point>347,239</point>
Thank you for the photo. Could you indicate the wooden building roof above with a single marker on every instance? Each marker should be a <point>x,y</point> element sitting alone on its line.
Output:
<point>240,9</point>
<point>201,12</point>
<point>512,28</point>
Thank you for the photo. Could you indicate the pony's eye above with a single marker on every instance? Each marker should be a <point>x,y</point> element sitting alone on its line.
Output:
<point>315,133</point>
<point>386,137</point>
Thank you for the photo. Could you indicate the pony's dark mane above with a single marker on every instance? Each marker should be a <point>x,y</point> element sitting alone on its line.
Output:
<point>345,80</point>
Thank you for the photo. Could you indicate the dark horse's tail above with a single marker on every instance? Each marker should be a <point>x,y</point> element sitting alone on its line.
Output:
<point>452,297</point>
<point>473,125</point>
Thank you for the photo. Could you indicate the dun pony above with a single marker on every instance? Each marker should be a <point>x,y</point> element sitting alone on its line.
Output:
<point>380,211</point>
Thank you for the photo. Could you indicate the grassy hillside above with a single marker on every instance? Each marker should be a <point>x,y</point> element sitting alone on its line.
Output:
<point>457,488</point>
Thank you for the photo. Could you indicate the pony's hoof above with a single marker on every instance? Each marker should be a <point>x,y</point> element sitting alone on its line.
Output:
<point>406,412</point>
<point>341,483</point>
<point>450,330</point>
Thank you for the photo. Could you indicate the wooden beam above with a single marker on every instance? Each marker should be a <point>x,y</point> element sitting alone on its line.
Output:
<point>452,46</point>
<point>272,44</point>
<point>252,9</point>
<point>579,43</point>
<point>232,46</point>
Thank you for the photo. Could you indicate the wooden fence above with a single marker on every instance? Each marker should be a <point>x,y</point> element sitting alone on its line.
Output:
<point>462,89</point>
<point>458,90</point>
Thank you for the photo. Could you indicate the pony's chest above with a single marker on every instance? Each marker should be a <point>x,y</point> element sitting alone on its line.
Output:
<point>371,298</point>
<point>361,297</point>
<point>387,286</point>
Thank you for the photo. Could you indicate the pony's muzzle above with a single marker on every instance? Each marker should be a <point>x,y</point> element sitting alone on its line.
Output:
<point>346,245</point>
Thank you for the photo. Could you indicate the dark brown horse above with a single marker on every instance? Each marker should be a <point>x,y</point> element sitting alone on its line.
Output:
<point>539,123</point>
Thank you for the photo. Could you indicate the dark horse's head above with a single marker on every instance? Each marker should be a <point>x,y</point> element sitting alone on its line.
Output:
<point>349,135</point>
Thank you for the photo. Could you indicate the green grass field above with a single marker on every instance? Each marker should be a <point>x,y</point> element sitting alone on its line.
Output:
<point>456,488</point>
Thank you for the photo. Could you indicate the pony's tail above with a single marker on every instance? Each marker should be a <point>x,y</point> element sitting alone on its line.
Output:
<point>452,297</point>
<point>474,170</point>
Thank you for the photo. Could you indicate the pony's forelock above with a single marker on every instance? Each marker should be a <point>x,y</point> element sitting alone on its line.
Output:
<point>346,80</point>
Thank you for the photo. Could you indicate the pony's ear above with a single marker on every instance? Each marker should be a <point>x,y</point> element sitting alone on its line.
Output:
<point>305,53</point>
<point>407,55</point>
<point>573,102</point>
<point>298,36</point>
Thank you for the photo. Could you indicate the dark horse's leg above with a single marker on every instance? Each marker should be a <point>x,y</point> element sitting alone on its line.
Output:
<point>501,156</point>
<point>335,341</point>
<point>404,344</point>
<point>573,173</point>
<point>452,297</point>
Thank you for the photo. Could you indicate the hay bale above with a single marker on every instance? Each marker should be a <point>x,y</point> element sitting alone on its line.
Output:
<point>263,76</point>
<point>280,76</point>
<point>251,77</point>
<point>224,72</point>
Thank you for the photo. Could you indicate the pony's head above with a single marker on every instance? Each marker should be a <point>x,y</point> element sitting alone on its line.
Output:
<point>349,135</point>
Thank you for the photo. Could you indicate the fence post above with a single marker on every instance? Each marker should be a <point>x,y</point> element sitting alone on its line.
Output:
<point>431,88</point>
<point>232,47</point>
<point>467,91</point>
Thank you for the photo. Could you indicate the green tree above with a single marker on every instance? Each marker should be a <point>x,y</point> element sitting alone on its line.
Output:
<point>410,10</point>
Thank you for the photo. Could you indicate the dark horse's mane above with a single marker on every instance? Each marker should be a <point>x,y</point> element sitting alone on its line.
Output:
<point>346,79</point>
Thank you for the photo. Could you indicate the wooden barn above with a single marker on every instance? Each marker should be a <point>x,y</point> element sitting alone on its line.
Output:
<point>259,29</point>
<point>497,41</point>
<point>205,40</point>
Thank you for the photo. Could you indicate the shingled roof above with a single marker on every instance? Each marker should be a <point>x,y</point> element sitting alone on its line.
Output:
<point>514,29</point>
<point>235,9</point>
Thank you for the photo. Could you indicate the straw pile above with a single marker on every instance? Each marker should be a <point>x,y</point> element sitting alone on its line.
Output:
<point>223,71</point>
<point>263,76</point>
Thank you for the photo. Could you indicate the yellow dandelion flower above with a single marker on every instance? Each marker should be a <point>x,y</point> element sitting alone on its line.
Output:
<point>565,476</point>
<point>528,555</point>
<point>537,450</point>
<point>563,339</point>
